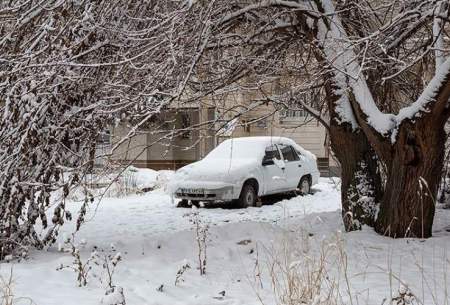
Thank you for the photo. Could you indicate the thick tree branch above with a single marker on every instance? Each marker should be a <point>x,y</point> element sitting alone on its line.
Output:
<point>434,99</point>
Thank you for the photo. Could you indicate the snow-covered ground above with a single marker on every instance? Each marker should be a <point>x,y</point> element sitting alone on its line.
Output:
<point>156,239</point>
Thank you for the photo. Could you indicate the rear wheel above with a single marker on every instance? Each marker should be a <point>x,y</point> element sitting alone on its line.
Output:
<point>304,186</point>
<point>248,197</point>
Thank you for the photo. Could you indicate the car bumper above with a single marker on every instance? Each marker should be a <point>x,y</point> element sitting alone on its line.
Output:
<point>206,194</point>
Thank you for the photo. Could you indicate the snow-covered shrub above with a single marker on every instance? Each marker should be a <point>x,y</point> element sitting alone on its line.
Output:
<point>140,180</point>
<point>80,267</point>
<point>404,297</point>
<point>362,204</point>
<point>114,296</point>
<point>107,261</point>
<point>101,264</point>
<point>181,271</point>
<point>120,182</point>
<point>201,229</point>
<point>127,183</point>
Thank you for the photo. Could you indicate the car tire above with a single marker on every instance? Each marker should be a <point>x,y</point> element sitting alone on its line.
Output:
<point>248,196</point>
<point>196,203</point>
<point>304,186</point>
<point>183,203</point>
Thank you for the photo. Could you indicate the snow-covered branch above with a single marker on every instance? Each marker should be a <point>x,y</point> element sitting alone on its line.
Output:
<point>436,94</point>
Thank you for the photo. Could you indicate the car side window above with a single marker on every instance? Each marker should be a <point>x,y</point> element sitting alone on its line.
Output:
<point>289,153</point>
<point>272,153</point>
<point>296,153</point>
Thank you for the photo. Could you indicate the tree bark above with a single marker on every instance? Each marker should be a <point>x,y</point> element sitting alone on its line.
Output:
<point>361,183</point>
<point>361,188</point>
<point>408,205</point>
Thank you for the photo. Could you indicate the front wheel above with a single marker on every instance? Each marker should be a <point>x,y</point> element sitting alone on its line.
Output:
<point>248,197</point>
<point>183,203</point>
<point>304,186</point>
<point>195,203</point>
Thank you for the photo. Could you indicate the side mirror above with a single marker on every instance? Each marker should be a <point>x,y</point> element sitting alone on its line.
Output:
<point>266,162</point>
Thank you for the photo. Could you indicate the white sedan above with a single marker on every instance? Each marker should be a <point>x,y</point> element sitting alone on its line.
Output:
<point>244,169</point>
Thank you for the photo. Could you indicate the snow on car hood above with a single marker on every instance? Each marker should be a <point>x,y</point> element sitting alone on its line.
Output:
<point>212,173</point>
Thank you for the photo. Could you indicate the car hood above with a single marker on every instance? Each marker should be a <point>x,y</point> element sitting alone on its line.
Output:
<point>216,172</point>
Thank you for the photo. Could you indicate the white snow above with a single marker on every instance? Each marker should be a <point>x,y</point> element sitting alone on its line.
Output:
<point>156,239</point>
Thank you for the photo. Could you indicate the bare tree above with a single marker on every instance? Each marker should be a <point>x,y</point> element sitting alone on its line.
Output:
<point>68,69</point>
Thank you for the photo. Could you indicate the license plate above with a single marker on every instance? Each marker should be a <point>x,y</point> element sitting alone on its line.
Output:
<point>192,191</point>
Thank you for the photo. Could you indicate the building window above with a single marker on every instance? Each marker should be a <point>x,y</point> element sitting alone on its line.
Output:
<point>261,123</point>
<point>186,124</point>
<point>292,114</point>
<point>102,148</point>
<point>104,138</point>
<point>293,109</point>
<point>245,126</point>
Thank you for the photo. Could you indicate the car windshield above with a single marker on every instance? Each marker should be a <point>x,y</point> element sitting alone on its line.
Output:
<point>236,149</point>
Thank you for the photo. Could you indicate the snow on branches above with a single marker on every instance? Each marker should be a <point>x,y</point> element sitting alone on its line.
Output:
<point>67,70</point>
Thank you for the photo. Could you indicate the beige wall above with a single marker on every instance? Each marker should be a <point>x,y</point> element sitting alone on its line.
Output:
<point>306,131</point>
<point>134,148</point>
<point>310,135</point>
<point>154,146</point>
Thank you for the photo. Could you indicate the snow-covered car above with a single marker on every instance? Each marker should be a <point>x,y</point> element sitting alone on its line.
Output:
<point>243,169</point>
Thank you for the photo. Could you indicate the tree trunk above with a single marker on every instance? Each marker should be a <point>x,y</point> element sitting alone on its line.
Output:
<point>413,162</point>
<point>361,183</point>
<point>361,188</point>
<point>408,205</point>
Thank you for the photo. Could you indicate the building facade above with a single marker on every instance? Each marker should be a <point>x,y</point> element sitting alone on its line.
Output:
<point>186,134</point>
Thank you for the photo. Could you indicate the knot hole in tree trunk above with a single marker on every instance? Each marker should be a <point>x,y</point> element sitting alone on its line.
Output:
<point>413,152</point>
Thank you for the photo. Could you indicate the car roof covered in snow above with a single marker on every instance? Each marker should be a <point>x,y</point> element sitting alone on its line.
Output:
<point>264,141</point>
